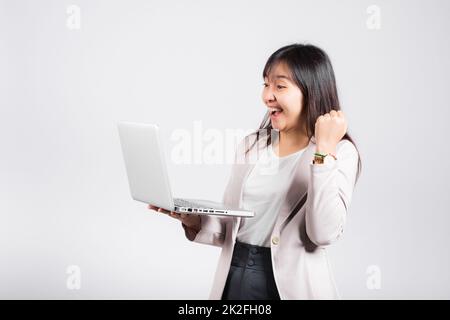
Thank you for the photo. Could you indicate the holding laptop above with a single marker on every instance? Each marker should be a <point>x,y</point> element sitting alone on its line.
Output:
<point>147,173</point>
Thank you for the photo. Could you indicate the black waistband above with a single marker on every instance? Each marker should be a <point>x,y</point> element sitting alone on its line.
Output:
<point>251,256</point>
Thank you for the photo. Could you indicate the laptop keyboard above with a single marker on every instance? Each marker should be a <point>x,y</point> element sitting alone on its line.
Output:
<point>184,203</point>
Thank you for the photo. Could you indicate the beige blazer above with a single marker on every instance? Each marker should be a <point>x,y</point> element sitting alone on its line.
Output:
<point>311,218</point>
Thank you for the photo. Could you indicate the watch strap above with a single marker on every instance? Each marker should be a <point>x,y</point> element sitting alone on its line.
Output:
<point>319,157</point>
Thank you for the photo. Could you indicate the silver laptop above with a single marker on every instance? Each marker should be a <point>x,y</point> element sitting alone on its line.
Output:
<point>147,173</point>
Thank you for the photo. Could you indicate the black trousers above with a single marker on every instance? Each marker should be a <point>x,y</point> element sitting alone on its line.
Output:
<point>251,274</point>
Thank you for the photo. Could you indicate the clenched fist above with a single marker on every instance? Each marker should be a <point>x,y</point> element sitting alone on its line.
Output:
<point>329,130</point>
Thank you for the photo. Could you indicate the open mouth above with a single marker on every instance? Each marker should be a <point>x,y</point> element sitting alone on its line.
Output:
<point>275,111</point>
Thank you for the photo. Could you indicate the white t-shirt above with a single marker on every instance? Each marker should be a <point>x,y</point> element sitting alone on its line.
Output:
<point>261,194</point>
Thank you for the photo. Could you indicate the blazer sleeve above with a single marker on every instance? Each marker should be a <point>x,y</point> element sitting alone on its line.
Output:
<point>330,192</point>
<point>212,231</point>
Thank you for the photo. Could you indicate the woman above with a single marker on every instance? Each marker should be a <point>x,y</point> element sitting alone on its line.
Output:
<point>301,206</point>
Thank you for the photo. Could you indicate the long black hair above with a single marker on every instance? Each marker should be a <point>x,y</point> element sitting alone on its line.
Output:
<point>312,72</point>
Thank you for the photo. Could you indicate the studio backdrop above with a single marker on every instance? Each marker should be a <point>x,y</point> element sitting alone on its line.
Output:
<point>70,70</point>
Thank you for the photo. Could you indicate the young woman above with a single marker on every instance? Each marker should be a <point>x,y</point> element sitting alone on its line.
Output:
<point>301,207</point>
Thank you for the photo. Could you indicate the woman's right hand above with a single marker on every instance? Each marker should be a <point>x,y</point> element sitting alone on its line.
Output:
<point>189,220</point>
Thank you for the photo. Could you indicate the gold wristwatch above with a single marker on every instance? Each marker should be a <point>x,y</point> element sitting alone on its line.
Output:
<point>322,158</point>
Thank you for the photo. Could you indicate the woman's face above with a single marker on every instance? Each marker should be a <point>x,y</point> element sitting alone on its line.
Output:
<point>280,93</point>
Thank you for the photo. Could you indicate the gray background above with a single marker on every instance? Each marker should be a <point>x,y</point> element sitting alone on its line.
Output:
<point>63,188</point>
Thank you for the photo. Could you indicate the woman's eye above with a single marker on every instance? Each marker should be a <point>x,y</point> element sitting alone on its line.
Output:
<point>279,87</point>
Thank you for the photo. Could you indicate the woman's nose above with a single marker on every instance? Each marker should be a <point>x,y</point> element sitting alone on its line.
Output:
<point>268,95</point>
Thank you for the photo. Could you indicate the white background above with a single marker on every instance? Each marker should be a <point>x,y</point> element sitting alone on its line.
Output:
<point>63,187</point>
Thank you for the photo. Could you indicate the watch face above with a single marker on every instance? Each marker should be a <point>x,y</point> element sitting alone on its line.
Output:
<point>318,160</point>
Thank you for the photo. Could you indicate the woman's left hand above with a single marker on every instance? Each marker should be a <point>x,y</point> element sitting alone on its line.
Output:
<point>329,130</point>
